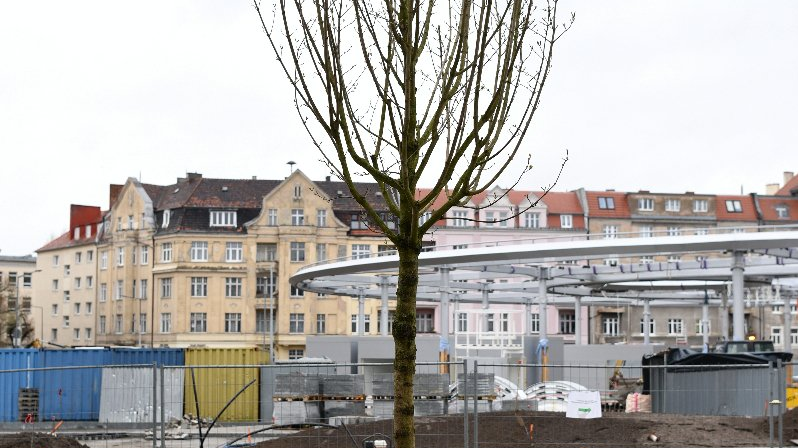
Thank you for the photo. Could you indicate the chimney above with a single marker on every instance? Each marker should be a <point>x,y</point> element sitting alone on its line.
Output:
<point>771,189</point>
<point>788,175</point>
<point>193,176</point>
<point>254,177</point>
<point>327,179</point>
<point>113,194</point>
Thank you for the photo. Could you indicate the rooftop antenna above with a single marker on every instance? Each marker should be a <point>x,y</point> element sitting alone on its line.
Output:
<point>291,163</point>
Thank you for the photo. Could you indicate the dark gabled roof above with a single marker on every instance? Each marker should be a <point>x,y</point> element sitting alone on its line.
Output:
<point>18,258</point>
<point>345,201</point>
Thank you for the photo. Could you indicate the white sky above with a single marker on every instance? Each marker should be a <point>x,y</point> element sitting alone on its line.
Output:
<point>667,96</point>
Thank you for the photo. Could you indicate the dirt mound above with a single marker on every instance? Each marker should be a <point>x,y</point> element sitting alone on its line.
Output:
<point>38,440</point>
<point>790,421</point>
<point>551,430</point>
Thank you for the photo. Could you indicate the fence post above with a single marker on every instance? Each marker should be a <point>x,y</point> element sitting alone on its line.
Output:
<point>464,392</point>
<point>769,406</point>
<point>476,404</point>
<point>155,405</point>
<point>782,391</point>
<point>163,409</point>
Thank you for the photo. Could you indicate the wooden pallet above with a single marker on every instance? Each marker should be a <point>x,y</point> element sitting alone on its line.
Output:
<point>28,404</point>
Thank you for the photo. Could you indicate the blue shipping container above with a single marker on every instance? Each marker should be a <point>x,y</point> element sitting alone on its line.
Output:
<point>135,356</point>
<point>12,382</point>
<point>69,392</point>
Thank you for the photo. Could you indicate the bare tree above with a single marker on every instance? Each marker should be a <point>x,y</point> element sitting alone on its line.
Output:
<point>395,89</point>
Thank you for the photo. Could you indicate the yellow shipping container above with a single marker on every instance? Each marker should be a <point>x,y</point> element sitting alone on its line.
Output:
<point>217,385</point>
<point>792,397</point>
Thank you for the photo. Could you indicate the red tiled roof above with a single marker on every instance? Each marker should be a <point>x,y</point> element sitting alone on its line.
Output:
<point>788,187</point>
<point>621,209</point>
<point>64,241</point>
<point>561,202</point>
<point>748,209</point>
<point>768,206</point>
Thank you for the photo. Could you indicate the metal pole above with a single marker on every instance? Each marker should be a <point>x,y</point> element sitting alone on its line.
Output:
<point>384,305</point>
<point>705,323</point>
<point>154,404</point>
<point>17,339</point>
<point>724,316</point>
<point>646,321</point>
<point>485,306</point>
<point>738,269</point>
<point>271,314</point>
<point>578,318</point>
<point>444,315</point>
<point>163,409</point>
<point>787,324</point>
<point>782,391</point>
<point>476,405</point>
<point>528,314</point>
<point>544,301</point>
<point>361,312</point>
<point>465,403</point>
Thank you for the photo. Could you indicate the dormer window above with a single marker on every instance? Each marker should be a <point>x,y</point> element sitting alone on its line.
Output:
<point>76,233</point>
<point>734,206</point>
<point>167,215</point>
<point>606,203</point>
<point>782,212</point>
<point>223,218</point>
<point>673,205</point>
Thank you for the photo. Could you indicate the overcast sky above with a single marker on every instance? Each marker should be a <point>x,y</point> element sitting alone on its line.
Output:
<point>667,96</point>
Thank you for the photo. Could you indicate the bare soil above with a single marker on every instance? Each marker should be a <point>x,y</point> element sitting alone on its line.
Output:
<point>37,440</point>
<point>553,430</point>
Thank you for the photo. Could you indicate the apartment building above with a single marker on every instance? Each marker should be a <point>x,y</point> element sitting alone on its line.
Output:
<point>66,282</point>
<point>16,281</point>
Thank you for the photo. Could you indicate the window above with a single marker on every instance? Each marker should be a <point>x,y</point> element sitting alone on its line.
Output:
<point>296,353</point>
<point>675,326</point>
<point>459,246</point>
<point>489,219</point>
<point>78,257</point>
<point>673,205</point>
<point>262,321</point>
<point>77,308</point>
<point>232,322</point>
<point>459,218</point>
<point>119,291</point>
<point>645,204</point>
<point>142,323</point>
<point>566,221</point>
<point>130,222</point>
<point>166,322</point>
<point>272,217</point>
<point>782,212</point>
<point>87,231</point>
<point>297,191</point>
<point>223,218</point>
<point>674,231</point>
<point>266,287</point>
<point>145,255</point>
<point>296,323</point>
<point>199,286</point>
<point>297,217</point>
<point>462,322</point>
<point>321,218</point>
<point>54,334</point>
<point>321,324</point>
<point>133,291</point>
<point>390,321</point>
<point>166,252</point>
<point>76,333</point>
<point>104,259</point>
<point>297,251</point>
<point>143,288</point>
<point>198,322</point>
<point>534,322</point>
<point>118,223</point>
<point>54,309</point>
<point>234,252</point>
<point>89,282</point>
<point>56,259</point>
<point>366,324</point>
<point>776,336</point>
<point>120,256</point>
<point>101,327</point>
<point>734,206</point>
<point>611,262</point>
<point>424,322</point>
<point>199,251</point>
<point>67,269</point>
<point>504,322</point>
<point>567,322</point>
<point>118,324</point>
<point>103,292</point>
<point>701,231</point>
<point>166,288</point>
<point>89,256</point>
<point>360,251</point>
<point>532,220</point>
<point>88,308</point>
<point>700,206</point>
<point>606,203</point>
<point>610,325</point>
<point>266,252</point>
<point>646,259</point>
<point>65,321</point>
<point>646,231</point>
<point>424,217</point>
<point>610,232</point>
<point>133,255</point>
<point>699,327</point>
<point>490,323</point>
<point>321,252</point>
<point>55,285</point>
<point>133,323</point>
<point>297,293</point>
<point>167,215</point>
<point>66,296</point>
<point>674,258</point>
<point>233,286</point>
<point>651,326</point>
<point>357,221</point>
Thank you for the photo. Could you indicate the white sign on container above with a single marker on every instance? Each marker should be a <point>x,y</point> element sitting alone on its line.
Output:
<point>583,404</point>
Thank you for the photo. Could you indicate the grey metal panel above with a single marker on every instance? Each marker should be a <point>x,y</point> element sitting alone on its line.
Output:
<point>126,395</point>
<point>341,385</point>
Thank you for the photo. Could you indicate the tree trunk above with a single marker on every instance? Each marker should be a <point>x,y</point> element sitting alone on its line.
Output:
<point>404,336</point>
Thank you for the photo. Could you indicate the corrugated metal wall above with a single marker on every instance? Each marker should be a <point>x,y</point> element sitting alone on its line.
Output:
<point>160,356</point>
<point>70,394</point>
<point>216,386</point>
<point>127,395</point>
<point>11,382</point>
